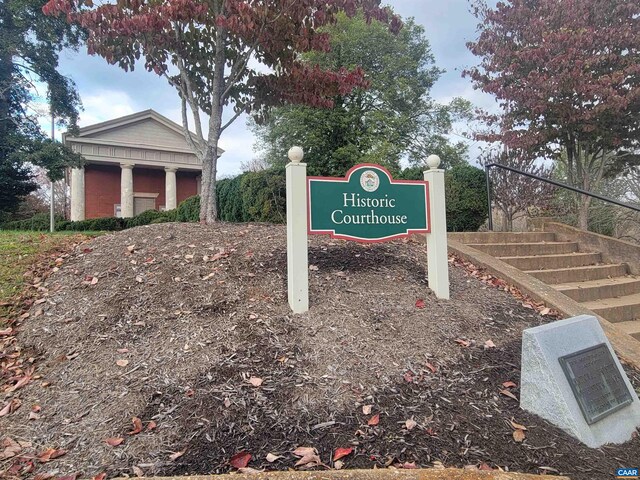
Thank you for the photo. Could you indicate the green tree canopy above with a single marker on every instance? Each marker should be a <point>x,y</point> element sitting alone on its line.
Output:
<point>29,46</point>
<point>392,118</point>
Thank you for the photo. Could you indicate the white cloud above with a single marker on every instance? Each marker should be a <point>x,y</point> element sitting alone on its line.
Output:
<point>106,105</point>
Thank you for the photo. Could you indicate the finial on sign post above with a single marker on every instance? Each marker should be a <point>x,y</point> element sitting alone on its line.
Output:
<point>296,154</point>
<point>433,162</point>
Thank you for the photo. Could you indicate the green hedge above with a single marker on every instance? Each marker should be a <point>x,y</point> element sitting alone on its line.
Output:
<point>40,222</point>
<point>466,197</point>
<point>189,210</point>
<point>253,197</point>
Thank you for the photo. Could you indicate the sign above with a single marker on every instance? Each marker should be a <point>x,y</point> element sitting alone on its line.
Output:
<point>367,205</point>
<point>596,382</point>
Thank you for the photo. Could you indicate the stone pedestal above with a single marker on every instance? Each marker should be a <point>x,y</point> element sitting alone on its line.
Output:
<point>546,391</point>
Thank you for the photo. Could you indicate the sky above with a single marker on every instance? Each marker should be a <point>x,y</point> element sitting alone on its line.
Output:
<point>108,92</point>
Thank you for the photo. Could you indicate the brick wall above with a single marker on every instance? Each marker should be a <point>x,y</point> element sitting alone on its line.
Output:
<point>102,187</point>
<point>101,190</point>
<point>186,184</point>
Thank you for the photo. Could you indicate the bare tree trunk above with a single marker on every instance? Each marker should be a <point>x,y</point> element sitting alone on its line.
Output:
<point>583,212</point>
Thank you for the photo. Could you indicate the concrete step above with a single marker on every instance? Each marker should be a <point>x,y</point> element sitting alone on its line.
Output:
<point>632,327</point>
<point>601,288</point>
<point>619,309</point>
<point>502,237</point>
<point>526,248</point>
<point>543,262</point>
<point>579,274</point>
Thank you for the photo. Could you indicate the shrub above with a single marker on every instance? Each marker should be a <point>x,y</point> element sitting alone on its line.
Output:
<point>466,197</point>
<point>189,210</point>
<point>39,222</point>
<point>144,218</point>
<point>253,197</point>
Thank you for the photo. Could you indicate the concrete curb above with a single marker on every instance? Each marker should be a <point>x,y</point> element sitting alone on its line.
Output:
<point>624,344</point>
<point>379,474</point>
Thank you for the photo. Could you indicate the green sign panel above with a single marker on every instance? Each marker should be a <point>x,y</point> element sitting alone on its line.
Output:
<point>367,205</point>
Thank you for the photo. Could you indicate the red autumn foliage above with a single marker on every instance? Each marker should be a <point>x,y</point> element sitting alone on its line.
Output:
<point>211,45</point>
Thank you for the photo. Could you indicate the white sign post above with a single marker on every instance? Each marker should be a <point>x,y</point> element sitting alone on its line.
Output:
<point>297,248</point>
<point>437,256</point>
<point>299,206</point>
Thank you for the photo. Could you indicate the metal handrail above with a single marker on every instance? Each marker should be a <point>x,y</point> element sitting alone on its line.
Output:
<point>488,166</point>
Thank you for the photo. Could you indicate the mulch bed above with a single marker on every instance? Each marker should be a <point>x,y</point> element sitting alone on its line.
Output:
<point>187,328</point>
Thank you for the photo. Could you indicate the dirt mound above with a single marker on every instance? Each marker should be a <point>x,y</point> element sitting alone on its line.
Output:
<point>188,326</point>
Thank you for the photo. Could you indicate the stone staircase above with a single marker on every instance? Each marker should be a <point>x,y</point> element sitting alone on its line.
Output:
<point>608,289</point>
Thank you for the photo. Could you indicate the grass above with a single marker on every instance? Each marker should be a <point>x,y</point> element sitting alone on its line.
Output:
<point>18,251</point>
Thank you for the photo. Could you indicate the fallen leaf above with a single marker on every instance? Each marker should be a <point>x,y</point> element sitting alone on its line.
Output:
<point>272,457</point>
<point>517,426</point>
<point>50,454</point>
<point>431,367</point>
<point>6,331</point>
<point>484,466</point>
<point>507,393</point>
<point>122,362</point>
<point>313,268</point>
<point>410,424</point>
<point>420,303</point>
<point>255,381</point>
<point>462,342</point>
<point>114,441</point>
<point>338,465</point>
<point>34,416</point>
<point>509,384</point>
<point>10,407</point>
<point>137,471</point>
<point>375,420</point>
<point>11,448</point>
<point>139,279</point>
<point>309,456</point>
<point>122,350</point>
<point>545,311</point>
<point>249,470</point>
<point>342,452</point>
<point>240,459</point>
<point>366,409</point>
<point>48,475</point>
<point>94,280</point>
<point>489,344</point>
<point>518,435</point>
<point>176,455</point>
<point>131,248</point>
<point>137,426</point>
<point>100,476</point>
<point>73,476</point>
<point>407,465</point>
<point>151,426</point>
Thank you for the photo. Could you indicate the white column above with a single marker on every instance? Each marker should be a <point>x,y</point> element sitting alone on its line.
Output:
<point>297,248</point>
<point>437,256</point>
<point>77,194</point>
<point>126,190</point>
<point>170,190</point>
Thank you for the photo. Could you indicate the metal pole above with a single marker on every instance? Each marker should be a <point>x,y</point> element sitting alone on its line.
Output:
<point>486,174</point>
<point>52,219</point>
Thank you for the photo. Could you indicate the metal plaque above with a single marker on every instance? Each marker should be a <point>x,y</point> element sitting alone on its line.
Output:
<point>596,381</point>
